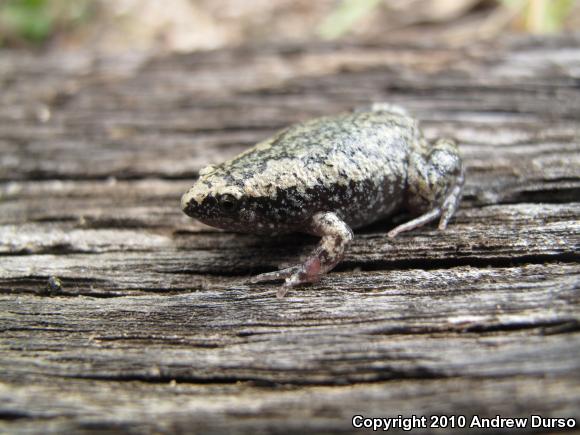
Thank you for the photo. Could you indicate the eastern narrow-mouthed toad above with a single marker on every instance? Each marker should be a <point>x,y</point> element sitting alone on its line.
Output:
<point>328,175</point>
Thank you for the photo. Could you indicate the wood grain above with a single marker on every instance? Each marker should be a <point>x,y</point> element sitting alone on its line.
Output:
<point>119,313</point>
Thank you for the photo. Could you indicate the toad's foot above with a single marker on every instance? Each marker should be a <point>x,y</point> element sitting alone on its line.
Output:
<point>436,183</point>
<point>335,236</point>
<point>415,223</point>
<point>445,212</point>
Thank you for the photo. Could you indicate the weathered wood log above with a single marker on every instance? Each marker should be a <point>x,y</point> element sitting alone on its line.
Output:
<point>120,313</point>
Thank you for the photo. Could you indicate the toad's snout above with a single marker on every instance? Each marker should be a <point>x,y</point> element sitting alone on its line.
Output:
<point>188,205</point>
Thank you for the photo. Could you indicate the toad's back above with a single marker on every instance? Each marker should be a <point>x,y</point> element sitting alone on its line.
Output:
<point>354,164</point>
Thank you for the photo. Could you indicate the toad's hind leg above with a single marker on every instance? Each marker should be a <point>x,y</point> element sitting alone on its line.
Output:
<point>335,235</point>
<point>435,186</point>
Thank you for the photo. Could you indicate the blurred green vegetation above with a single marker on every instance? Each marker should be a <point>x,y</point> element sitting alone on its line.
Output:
<point>34,21</point>
<point>25,23</point>
<point>345,16</point>
<point>534,16</point>
<point>541,16</point>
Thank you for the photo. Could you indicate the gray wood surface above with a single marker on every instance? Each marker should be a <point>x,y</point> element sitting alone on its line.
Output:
<point>119,313</point>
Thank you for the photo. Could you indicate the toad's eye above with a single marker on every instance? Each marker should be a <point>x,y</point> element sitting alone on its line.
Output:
<point>228,203</point>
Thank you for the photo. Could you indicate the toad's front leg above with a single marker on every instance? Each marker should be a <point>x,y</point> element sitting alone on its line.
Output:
<point>335,235</point>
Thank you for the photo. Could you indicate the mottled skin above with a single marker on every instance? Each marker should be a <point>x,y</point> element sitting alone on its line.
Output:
<point>326,176</point>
